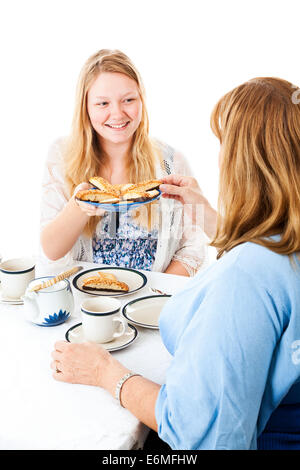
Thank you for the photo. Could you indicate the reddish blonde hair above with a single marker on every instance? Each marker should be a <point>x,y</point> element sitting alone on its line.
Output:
<point>258,125</point>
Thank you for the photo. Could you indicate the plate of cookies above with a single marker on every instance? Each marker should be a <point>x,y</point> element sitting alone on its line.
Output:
<point>111,281</point>
<point>119,197</point>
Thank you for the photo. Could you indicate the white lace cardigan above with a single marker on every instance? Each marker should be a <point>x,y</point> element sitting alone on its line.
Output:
<point>175,242</point>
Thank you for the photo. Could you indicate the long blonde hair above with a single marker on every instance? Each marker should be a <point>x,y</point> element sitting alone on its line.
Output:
<point>82,154</point>
<point>258,125</point>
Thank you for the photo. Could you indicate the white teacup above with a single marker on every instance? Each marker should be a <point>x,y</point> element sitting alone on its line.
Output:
<point>101,322</point>
<point>15,275</point>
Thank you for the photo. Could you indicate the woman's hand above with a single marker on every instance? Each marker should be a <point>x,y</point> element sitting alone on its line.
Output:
<point>78,363</point>
<point>91,364</point>
<point>182,188</point>
<point>88,209</point>
<point>86,363</point>
<point>187,190</point>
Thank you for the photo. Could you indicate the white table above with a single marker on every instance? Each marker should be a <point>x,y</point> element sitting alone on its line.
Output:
<point>37,412</point>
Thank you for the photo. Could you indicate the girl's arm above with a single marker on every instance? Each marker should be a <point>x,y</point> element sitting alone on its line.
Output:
<point>62,221</point>
<point>175,267</point>
<point>59,235</point>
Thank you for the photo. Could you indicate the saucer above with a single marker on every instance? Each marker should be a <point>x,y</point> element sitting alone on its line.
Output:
<point>145,311</point>
<point>9,300</point>
<point>118,343</point>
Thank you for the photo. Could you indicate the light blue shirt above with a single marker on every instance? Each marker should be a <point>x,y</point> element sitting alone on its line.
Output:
<point>234,333</point>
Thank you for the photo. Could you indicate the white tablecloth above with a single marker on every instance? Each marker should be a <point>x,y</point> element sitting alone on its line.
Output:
<point>37,412</point>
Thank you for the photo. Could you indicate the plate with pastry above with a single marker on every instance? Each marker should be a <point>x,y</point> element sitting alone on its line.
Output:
<point>111,281</point>
<point>119,197</point>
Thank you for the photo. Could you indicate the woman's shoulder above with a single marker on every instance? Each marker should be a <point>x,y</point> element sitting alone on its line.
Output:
<point>256,264</point>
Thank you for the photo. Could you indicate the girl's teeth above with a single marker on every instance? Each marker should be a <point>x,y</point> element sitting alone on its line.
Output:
<point>117,127</point>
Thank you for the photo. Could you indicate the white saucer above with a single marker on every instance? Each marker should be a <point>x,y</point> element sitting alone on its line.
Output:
<point>9,300</point>
<point>145,311</point>
<point>118,343</point>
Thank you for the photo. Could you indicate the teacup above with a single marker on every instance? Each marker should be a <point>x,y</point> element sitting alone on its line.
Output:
<point>101,322</point>
<point>15,275</point>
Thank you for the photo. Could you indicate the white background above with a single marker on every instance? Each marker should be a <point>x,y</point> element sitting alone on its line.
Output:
<point>189,54</point>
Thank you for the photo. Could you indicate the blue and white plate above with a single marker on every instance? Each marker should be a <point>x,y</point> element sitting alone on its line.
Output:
<point>122,207</point>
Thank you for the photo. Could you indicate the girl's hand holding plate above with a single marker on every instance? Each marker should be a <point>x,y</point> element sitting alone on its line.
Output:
<point>88,209</point>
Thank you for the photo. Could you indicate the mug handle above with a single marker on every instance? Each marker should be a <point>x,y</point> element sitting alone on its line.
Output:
<point>119,320</point>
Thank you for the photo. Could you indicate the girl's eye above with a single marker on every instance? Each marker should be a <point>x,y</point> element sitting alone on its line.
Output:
<point>102,103</point>
<point>129,100</point>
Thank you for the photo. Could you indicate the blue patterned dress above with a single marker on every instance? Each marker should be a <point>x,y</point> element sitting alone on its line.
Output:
<point>121,242</point>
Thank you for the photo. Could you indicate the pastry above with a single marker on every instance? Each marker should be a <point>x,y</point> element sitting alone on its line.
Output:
<point>148,185</point>
<point>152,194</point>
<point>95,195</point>
<point>104,282</point>
<point>136,195</point>
<point>110,276</point>
<point>103,185</point>
<point>124,187</point>
<point>107,193</point>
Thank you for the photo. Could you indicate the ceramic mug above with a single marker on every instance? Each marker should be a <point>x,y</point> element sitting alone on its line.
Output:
<point>15,275</point>
<point>101,322</point>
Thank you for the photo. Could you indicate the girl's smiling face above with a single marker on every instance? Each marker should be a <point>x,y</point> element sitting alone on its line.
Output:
<point>114,107</point>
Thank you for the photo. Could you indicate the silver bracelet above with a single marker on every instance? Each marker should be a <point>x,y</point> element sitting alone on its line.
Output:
<point>121,383</point>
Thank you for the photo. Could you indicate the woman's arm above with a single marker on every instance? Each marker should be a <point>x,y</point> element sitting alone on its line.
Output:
<point>62,221</point>
<point>197,218</point>
<point>139,396</point>
<point>175,267</point>
<point>186,190</point>
<point>90,364</point>
<point>59,235</point>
